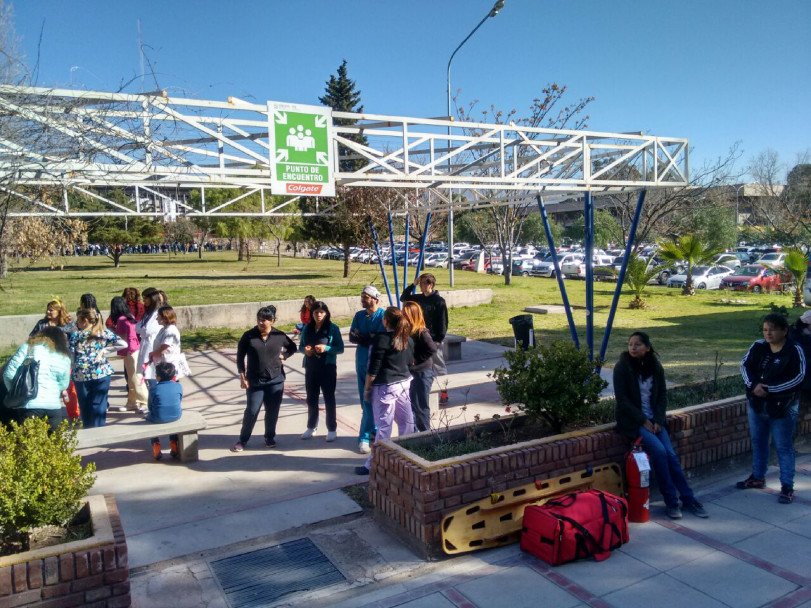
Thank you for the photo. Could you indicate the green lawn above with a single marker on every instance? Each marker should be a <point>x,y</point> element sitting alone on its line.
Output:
<point>686,331</point>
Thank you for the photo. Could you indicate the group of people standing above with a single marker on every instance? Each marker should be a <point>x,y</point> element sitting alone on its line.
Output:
<point>73,356</point>
<point>397,354</point>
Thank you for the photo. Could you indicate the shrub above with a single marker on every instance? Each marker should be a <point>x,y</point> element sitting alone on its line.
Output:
<point>41,479</point>
<point>554,383</point>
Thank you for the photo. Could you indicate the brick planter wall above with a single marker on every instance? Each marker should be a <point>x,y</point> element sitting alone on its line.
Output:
<point>411,495</point>
<point>91,573</point>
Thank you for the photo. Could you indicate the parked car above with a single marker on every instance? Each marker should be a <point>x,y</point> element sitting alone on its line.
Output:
<point>577,268</point>
<point>774,259</point>
<point>523,267</point>
<point>436,260</point>
<point>704,277</point>
<point>752,277</point>
<point>547,268</point>
<point>730,260</point>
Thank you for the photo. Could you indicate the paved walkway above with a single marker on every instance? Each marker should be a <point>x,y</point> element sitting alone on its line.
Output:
<point>180,518</point>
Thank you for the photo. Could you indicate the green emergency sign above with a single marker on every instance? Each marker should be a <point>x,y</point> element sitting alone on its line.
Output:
<point>301,149</point>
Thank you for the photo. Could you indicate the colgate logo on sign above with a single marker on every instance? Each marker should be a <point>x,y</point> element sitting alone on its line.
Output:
<point>303,189</point>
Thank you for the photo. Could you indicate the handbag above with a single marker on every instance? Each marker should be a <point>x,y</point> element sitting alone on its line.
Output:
<point>25,383</point>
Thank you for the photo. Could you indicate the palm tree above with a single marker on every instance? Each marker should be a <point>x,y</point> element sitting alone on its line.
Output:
<point>796,263</point>
<point>637,276</point>
<point>691,250</point>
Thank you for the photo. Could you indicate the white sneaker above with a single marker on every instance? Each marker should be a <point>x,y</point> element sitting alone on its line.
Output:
<point>331,435</point>
<point>121,408</point>
<point>363,447</point>
<point>308,434</point>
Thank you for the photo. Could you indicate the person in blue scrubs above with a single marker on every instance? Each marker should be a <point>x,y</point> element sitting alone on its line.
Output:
<point>365,325</point>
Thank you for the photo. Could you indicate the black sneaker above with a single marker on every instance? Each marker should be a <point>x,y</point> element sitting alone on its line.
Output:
<point>786,495</point>
<point>270,443</point>
<point>750,483</point>
<point>361,471</point>
<point>697,509</point>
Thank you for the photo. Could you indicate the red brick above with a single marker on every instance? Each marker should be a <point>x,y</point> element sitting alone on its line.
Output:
<point>19,578</point>
<point>82,564</point>
<point>5,581</point>
<point>121,555</point>
<point>89,582</point>
<point>96,564</point>
<point>66,572</point>
<point>56,590</point>
<point>68,601</point>
<point>116,576</point>
<point>19,599</point>
<point>108,555</point>
<point>35,574</point>
<point>99,593</point>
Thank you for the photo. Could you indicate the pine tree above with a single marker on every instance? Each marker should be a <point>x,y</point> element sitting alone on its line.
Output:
<point>342,95</point>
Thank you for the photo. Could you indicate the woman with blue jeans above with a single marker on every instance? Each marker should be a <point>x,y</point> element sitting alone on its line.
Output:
<point>640,392</point>
<point>773,371</point>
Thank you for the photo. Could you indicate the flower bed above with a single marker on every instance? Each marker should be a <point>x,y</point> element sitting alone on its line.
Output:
<point>412,495</point>
<point>87,572</point>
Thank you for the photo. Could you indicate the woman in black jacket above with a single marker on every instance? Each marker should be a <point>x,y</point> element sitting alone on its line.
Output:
<point>262,376</point>
<point>773,371</point>
<point>641,402</point>
<point>422,368</point>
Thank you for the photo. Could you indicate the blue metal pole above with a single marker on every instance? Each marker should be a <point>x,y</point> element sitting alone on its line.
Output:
<point>588,225</point>
<point>394,262</point>
<point>562,287</point>
<point>422,244</point>
<point>380,260</point>
<point>621,277</point>
<point>405,262</point>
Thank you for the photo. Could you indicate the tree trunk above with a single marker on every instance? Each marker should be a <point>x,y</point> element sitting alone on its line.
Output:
<point>117,253</point>
<point>241,254</point>
<point>278,251</point>
<point>346,260</point>
<point>3,265</point>
<point>508,275</point>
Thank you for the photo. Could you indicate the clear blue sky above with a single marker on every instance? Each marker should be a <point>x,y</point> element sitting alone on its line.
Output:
<point>715,71</point>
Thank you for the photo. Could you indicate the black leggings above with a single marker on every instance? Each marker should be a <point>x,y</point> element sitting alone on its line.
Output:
<point>320,378</point>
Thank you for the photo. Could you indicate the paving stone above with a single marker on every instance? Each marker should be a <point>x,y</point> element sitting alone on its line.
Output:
<point>435,600</point>
<point>725,525</point>
<point>782,548</point>
<point>674,594</point>
<point>734,582</point>
<point>649,539</point>
<point>525,586</point>
<point>618,571</point>
<point>800,526</point>
<point>762,506</point>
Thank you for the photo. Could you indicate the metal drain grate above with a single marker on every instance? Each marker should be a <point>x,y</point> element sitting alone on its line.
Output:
<point>262,577</point>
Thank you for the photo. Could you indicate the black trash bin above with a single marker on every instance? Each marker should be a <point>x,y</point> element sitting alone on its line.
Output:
<point>523,331</point>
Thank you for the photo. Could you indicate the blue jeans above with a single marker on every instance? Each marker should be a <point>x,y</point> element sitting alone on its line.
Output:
<point>92,397</point>
<point>367,421</point>
<point>782,432</point>
<point>666,467</point>
<point>270,394</point>
<point>420,392</point>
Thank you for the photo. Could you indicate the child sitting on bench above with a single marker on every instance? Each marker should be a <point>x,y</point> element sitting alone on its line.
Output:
<point>164,405</point>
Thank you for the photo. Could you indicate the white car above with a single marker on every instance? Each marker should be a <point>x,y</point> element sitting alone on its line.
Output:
<point>704,277</point>
<point>547,268</point>
<point>727,259</point>
<point>578,268</point>
<point>775,260</point>
<point>436,260</point>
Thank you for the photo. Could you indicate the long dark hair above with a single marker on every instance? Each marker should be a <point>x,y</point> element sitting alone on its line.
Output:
<point>52,337</point>
<point>642,367</point>
<point>308,300</point>
<point>88,300</point>
<point>154,300</point>
<point>327,319</point>
<point>119,308</point>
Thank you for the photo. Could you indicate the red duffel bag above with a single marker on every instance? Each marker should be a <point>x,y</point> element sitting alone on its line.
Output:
<point>582,524</point>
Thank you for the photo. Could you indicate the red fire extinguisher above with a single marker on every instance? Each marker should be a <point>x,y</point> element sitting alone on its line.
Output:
<point>637,475</point>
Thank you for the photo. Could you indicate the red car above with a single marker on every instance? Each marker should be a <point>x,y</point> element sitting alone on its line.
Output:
<point>752,277</point>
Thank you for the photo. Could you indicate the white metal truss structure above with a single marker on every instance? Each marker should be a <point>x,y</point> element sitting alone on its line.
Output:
<point>158,148</point>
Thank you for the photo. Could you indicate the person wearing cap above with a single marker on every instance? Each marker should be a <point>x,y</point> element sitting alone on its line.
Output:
<point>435,311</point>
<point>262,376</point>
<point>366,324</point>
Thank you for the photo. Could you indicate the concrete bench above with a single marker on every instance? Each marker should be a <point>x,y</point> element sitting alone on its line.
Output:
<point>125,431</point>
<point>452,347</point>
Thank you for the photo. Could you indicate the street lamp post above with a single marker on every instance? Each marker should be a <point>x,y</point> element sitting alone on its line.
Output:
<point>493,12</point>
